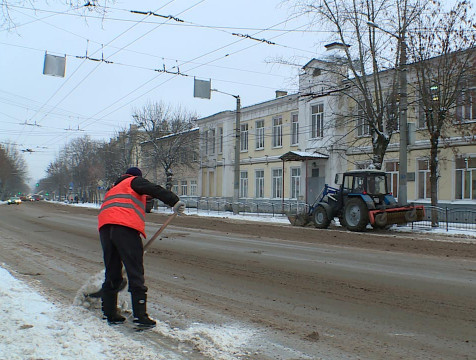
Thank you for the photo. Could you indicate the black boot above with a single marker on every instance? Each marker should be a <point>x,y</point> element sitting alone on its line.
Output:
<point>109,308</point>
<point>139,309</point>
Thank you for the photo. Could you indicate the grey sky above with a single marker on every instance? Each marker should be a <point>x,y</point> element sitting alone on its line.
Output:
<point>42,113</point>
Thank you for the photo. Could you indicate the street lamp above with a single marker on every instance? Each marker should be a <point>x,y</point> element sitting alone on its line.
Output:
<point>236,181</point>
<point>403,104</point>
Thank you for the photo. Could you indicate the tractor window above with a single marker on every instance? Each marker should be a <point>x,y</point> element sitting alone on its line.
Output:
<point>376,185</point>
<point>359,186</point>
<point>347,184</point>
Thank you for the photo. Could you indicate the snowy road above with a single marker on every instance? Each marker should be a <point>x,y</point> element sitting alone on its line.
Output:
<point>221,294</point>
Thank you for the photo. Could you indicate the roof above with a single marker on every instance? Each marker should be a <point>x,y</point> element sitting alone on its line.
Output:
<point>302,155</point>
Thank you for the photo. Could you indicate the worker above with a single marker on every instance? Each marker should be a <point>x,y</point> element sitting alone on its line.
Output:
<point>121,221</point>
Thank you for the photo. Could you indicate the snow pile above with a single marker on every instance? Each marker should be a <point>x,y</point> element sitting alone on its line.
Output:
<point>92,285</point>
<point>33,328</point>
<point>219,342</point>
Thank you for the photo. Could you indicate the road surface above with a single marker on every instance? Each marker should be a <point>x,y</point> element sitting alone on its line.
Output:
<point>230,289</point>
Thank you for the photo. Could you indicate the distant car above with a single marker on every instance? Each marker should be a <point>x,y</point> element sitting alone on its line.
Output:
<point>14,201</point>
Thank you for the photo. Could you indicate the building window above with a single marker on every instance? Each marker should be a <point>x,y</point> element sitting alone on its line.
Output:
<point>184,186</point>
<point>277,185</point>
<point>193,187</point>
<point>466,106</point>
<point>391,168</point>
<point>295,183</point>
<point>294,129</point>
<point>424,188</point>
<point>220,140</point>
<point>259,134</point>
<point>317,121</point>
<point>362,124</point>
<point>175,188</point>
<point>244,137</point>
<point>205,142</point>
<point>277,131</point>
<point>243,184</point>
<point>211,141</point>
<point>465,178</point>
<point>259,174</point>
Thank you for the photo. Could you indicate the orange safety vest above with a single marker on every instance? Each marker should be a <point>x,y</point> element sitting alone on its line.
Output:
<point>123,206</point>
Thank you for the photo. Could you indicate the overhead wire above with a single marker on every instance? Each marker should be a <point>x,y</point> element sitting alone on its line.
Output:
<point>115,38</point>
<point>196,4</point>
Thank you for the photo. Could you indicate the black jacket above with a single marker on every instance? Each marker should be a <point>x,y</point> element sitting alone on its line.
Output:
<point>145,187</point>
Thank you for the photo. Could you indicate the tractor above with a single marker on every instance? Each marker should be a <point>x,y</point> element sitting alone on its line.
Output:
<point>361,198</point>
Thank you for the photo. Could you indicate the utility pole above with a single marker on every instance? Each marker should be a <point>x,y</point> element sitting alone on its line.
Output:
<point>236,184</point>
<point>203,89</point>
<point>402,169</point>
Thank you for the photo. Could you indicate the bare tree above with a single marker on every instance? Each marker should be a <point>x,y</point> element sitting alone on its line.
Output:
<point>12,171</point>
<point>8,7</point>
<point>442,47</point>
<point>120,153</point>
<point>372,34</point>
<point>166,137</point>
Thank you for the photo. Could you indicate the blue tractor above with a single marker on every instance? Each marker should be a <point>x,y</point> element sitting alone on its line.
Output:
<point>361,199</point>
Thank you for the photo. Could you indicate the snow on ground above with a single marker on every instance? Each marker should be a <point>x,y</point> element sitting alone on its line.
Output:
<point>34,328</point>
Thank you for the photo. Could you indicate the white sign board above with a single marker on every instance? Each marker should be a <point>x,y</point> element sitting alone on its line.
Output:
<point>202,88</point>
<point>54,65</point>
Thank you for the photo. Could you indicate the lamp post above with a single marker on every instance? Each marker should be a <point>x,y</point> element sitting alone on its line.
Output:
<point>236,181</point>
<point>403,104</point>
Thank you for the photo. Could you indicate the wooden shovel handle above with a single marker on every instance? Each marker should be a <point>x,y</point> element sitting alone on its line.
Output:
<point>158,232</point>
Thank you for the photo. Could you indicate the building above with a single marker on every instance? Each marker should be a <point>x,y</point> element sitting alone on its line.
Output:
<point>292,145</point>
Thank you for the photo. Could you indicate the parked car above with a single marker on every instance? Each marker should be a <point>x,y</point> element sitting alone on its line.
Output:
<point>14,201</point>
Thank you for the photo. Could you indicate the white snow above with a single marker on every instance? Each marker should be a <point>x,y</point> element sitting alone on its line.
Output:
<point>34,328</point>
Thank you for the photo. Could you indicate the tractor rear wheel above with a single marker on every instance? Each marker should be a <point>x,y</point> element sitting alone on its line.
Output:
<point>356,215</point>
<point>320,218</point>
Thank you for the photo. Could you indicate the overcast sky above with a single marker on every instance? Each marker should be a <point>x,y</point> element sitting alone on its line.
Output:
<point>43,113</point>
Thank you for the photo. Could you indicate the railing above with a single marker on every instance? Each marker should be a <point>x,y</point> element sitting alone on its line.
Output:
<point>448,219</point>
<point>443,217</point>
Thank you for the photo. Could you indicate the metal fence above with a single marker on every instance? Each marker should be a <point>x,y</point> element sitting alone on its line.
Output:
<point>443,217</point>
<point>447,218</point>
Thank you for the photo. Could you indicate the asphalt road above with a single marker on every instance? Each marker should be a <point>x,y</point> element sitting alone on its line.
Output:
<point>276,291</point>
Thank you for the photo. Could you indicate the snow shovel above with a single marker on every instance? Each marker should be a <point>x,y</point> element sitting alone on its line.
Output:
<point>98,293</point>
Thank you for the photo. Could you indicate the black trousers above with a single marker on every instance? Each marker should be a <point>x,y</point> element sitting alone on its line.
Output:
<point>122,245</point>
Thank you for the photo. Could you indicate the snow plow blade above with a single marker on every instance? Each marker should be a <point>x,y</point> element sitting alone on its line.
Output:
<point>399,215</point>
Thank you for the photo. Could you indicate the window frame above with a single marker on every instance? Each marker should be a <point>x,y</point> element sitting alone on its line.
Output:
<point>244,137</point>
<point>317,121</point>
<point>259,134</point>
<point>277,131</point>
<point>259,184</point>
<point>295,188</point>
<point>243,184</point>
<point>294,129</point>
<point>277,183</point>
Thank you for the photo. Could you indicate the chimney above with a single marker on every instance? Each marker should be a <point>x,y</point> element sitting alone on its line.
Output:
<point>280,93</point>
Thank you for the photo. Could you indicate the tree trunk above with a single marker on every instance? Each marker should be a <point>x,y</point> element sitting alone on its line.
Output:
<point>434,179</point>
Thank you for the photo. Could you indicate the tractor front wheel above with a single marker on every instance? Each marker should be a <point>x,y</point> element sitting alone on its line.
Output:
<point>320,218</point>
<point>356,215</point>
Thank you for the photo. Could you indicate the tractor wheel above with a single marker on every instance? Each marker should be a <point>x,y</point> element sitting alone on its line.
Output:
<point>320,218</point>
<point>356,215</point>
